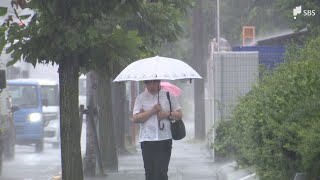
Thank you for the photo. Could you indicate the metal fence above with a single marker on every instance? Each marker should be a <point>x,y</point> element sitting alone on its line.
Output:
<point>230,75</point>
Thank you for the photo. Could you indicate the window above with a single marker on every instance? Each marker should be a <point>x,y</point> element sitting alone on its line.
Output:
<point>24,95</point>
<point>50,92</point>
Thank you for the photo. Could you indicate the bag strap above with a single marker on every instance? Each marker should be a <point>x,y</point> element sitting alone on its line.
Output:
<point>168,96</point>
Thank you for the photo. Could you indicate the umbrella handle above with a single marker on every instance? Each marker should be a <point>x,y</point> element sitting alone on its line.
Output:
<point>161,128</point>
<point>158,93</point>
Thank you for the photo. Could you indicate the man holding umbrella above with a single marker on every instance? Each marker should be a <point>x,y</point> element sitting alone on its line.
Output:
<point>151,107</point>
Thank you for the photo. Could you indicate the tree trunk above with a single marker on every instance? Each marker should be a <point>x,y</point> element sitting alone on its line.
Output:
<point>106,126</point>
<point>71,161</point>
<point>199,65</point>
<point>120,114</point>
<point>90,156</point>
<point>1,152</point>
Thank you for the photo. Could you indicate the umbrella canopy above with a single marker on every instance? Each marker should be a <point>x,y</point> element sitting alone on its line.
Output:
<point>173,89</point>
<point>161,68</point>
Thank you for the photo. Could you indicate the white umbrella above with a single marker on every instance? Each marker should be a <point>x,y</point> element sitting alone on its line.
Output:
<point>161,68</point>
<point>157,68</point>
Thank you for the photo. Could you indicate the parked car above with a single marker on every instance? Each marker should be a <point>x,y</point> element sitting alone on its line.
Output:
<point>28,120</point>
<point>38,104</point>
<point>52,133</point>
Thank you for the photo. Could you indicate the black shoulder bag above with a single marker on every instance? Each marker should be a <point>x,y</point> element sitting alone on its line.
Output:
<point>178,129</point>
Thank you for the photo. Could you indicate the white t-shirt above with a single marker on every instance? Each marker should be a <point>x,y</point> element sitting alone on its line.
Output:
<point>149,130</point>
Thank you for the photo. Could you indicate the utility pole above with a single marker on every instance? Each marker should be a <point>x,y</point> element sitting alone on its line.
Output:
<point>218,25</point>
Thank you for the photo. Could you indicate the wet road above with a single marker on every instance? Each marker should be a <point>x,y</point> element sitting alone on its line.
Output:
<point>29,165</point>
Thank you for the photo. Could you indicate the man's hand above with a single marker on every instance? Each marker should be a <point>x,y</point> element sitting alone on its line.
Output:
<point>163,115</point>
<point>156,108</point>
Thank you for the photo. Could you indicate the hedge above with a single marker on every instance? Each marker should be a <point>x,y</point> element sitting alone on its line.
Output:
<point>276,126</point>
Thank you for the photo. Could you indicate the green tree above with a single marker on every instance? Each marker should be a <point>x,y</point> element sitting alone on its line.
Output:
<point>275,127</point>
<point>67,33</point>
<point>81,36</point>
<point>269,17</point>
<point>156,23</point>
<point>263,14</point>
<point>312,22</point>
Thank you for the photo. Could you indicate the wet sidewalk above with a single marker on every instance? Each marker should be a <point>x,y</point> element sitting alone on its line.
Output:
<point>190,160</point>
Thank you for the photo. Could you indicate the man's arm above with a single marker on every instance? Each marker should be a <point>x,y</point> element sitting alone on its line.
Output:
<point>143,115</point>
<point>177,115</point>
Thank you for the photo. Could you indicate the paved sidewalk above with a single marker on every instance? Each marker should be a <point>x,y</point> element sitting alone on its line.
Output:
<point>190,160</point>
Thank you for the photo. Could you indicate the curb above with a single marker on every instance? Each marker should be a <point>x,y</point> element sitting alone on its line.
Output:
<point>229,171</point>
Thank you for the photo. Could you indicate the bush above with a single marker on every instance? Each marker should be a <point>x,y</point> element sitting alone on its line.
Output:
<point>276,127</point>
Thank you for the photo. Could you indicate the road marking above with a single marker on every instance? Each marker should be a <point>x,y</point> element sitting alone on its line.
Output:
<point>251,175</point>
<point>57,177</point>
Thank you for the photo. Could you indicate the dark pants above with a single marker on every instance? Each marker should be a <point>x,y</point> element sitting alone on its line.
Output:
<point>156,157</point>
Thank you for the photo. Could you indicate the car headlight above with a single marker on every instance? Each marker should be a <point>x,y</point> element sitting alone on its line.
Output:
<point>34,117</point>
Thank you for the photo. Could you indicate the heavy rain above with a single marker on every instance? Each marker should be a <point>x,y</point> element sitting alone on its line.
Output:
<point>92,90</point>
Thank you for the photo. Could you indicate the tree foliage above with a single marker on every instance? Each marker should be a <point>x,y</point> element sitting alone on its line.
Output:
<point>275,127</point>
<point>268,17</point>
<point>302,21</point>
<point>63,27</point>
<point>262,14</point>
<point>96,29</point>
<point>88,35</point>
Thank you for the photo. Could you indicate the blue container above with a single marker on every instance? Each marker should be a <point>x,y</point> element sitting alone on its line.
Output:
<point>269,56</point>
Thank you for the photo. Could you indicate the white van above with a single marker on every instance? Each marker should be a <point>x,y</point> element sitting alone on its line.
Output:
<point>51,111</point>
